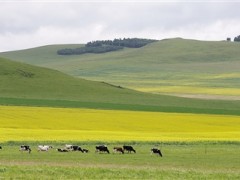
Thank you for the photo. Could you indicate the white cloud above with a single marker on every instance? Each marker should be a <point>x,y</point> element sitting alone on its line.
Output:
<point>29,24</point>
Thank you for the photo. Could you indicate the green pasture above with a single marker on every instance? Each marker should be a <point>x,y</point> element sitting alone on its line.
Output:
<point>201,160</point>
<point>176,66</point>
<point>23,84</point>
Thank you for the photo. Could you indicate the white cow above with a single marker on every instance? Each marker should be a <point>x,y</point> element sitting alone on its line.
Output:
<point>69,147</point>
<point>44,147</point>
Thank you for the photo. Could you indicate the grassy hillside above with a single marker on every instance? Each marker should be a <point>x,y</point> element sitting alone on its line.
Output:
<point>22,84</point>
<point>25,81</point>
<point>175,66</point>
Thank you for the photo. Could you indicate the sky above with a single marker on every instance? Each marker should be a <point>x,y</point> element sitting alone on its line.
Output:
<point>26,24</point>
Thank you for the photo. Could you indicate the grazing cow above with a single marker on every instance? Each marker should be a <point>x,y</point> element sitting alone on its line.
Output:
<point>102,148</point>
<point>156,151</point>
<point>118,149</point>
<point>68,146</point>
<point>62,150</point>
<point>73,148</point>
<point>44,148</point>
<point>85,150</point>
<point>0,147</point>
<point>129,149</point>
<point>25,148</point>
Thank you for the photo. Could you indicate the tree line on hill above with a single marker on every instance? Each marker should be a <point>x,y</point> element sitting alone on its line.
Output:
<point>106,46</point>
<point>237,39</point>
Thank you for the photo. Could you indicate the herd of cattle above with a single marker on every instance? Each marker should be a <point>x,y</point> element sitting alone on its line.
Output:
<point>99,149</point>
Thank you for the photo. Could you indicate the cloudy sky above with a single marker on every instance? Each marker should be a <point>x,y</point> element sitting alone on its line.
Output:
<point>26,24</point>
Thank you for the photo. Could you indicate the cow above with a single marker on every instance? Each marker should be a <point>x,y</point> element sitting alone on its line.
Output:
<point>62,150</point>
<point>0,147</point>
<point>129,149</point>
<point>156,151</point>
<point>68,146</point>
<point>25,148</point>
<point>44,148</point>
<point>118,149</point>
<point>73,148</point>
<point>102,148</point>
<point>85,150</point>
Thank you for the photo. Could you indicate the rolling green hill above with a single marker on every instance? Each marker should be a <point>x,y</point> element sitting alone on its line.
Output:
<point>175,66</point>
<point>22,84</point>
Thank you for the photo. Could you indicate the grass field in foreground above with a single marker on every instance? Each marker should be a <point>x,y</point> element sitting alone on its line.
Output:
<point>43,123</point>
<point>179,161</point>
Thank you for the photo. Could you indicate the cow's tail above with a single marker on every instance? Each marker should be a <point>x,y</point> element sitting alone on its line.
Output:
<point>29,151</point>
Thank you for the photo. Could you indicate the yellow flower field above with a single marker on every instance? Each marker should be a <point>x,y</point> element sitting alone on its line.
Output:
<point>44,123</point>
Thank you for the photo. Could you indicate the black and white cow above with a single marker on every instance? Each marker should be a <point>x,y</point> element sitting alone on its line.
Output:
<point>129,149</point>
<point>0,147</point>
<point>85,150</point>
<point>102,148</point>
<point>25,148</point>
<point>73,148</point>
<point>156,151</point>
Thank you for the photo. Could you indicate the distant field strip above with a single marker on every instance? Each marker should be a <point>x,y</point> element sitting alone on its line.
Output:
<point>43,123</point>
<point>191,90</point>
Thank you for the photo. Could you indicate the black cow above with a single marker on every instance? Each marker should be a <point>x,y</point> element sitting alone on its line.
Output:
<point>0,147</point>
<point>62,150</point>
<point>156,151</point>
<point>25,148</point>
<point>102,148</point>
<point>129,149</point>
<point>77,148</point>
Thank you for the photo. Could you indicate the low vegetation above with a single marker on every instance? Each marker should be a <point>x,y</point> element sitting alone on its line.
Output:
<point>179,161</point>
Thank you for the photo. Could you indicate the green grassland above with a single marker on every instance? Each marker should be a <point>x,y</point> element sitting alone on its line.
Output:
<point>23,84</point>
<point>175,66</point>
<point>200,160</point>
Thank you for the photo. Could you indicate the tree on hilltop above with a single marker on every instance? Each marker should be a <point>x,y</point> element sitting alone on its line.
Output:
<point>237,39</point>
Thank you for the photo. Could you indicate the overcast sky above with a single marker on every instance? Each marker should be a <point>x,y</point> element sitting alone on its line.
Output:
<point>26,24</point>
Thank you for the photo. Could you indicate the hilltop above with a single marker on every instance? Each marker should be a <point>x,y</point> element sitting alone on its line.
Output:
<point>173,66</point>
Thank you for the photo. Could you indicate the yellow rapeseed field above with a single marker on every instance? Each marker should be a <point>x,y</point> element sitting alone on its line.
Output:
<point>44,123</point>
